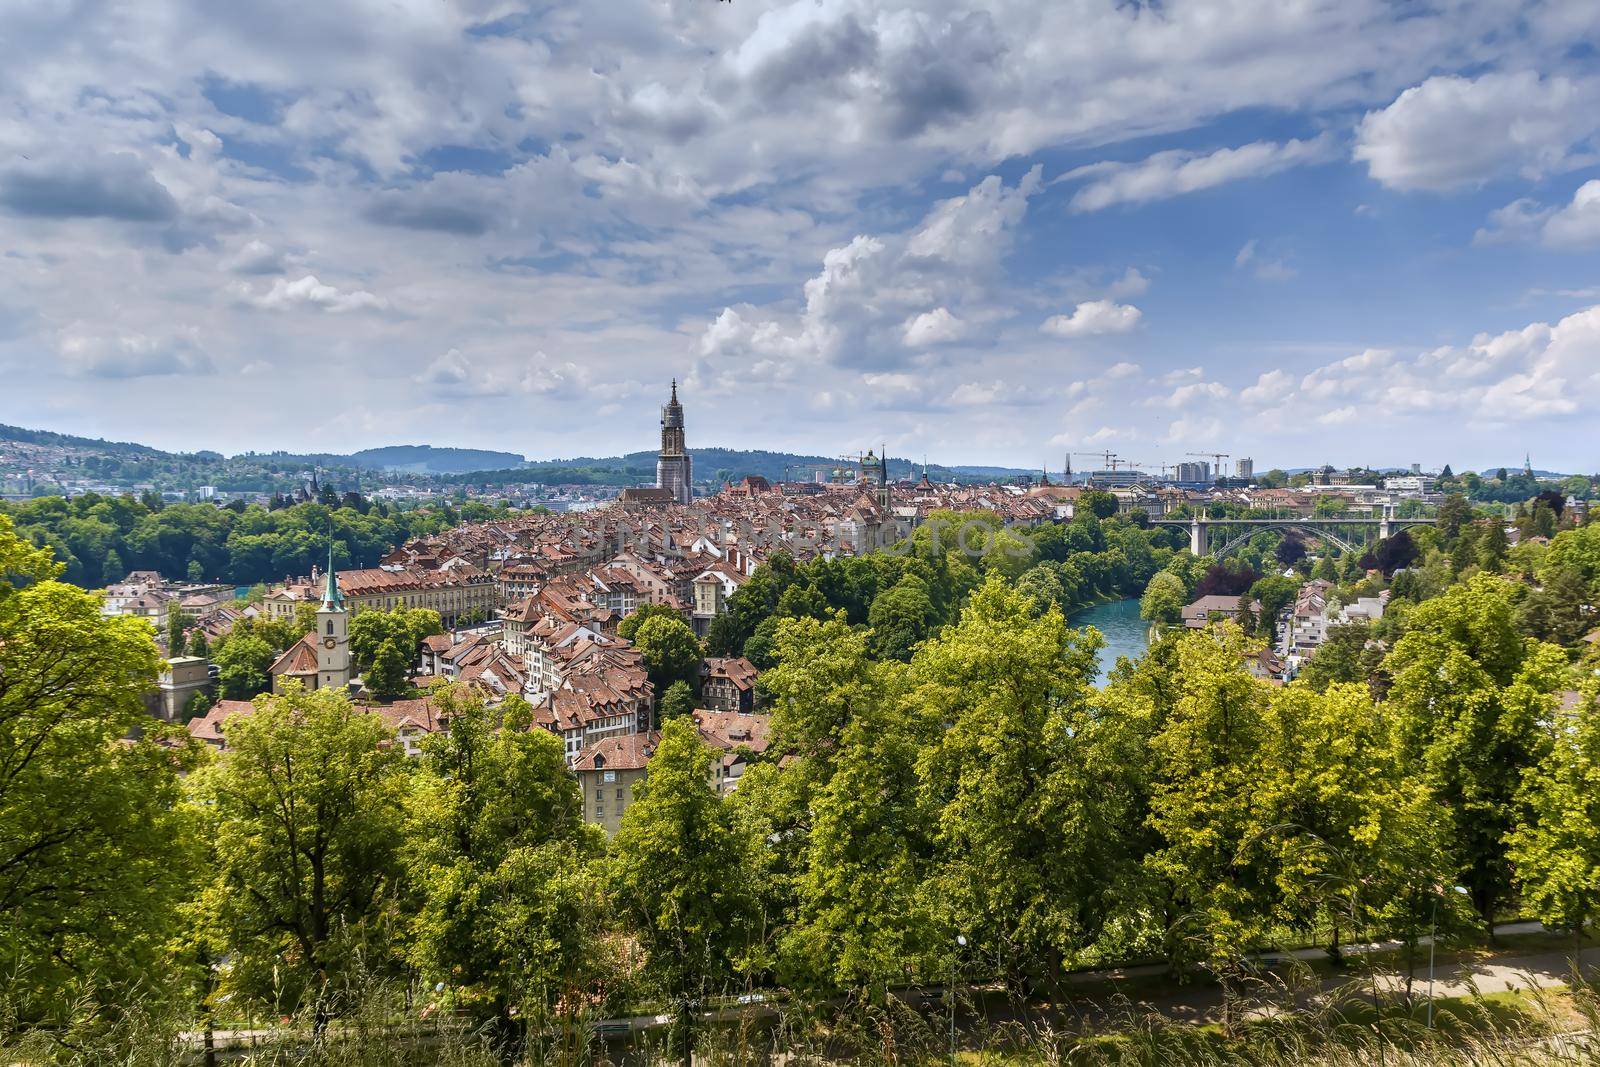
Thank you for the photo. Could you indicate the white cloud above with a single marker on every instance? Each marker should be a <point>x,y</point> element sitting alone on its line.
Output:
<point>1578,224</point>
<point>1271,387</point>
<point>308,291</point>
<point>1094,317</point>
<point>130,355</point>
<point>1539,371</point>
<point>1452,131</point>
<point>871,302</point>
<point>1196,393</point>
<point>1118,371</point>
<point>1132,283</point>
<point>934,327</point>
<point>1263,267</point>
<point>255,257</point>
<point>1517,221</point>
<point>1176,172</point>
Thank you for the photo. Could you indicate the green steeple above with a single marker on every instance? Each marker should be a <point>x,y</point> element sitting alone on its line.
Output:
<point>332,599</point>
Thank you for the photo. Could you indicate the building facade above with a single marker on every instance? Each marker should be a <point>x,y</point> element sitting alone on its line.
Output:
<point>674,471</point>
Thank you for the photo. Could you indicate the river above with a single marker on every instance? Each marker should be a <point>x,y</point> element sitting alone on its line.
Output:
<point>1126,634</point>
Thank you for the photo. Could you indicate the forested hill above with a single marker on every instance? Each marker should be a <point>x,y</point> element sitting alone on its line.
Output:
<point>66,440</point>
<point>716,465</point>
<point>417,459</point>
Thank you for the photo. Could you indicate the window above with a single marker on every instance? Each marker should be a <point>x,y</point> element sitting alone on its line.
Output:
<point>330,626</point>
<point>619,794</point>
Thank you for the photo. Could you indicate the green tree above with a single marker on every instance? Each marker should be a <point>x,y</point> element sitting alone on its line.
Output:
<point>1100,504</point>
<point>676,702</point>
<point>242,665</point>
<point>1164,599</point>
<point>862,919</point>
<point>1000,780</point>
<point>96,852</point>
<point>1209,811</point>
<point>196,571</point>
<point>1556,849</point>
<point>679,879</point>
<point>1467,697</point>
<point>175,630</point>
<point>498,852</point>
<point>1343,656</point>
<point>1454,513</point>
<point>670,650</point>
<point>306,821</point>
<point>901,617</point>
<point>1492,545</point>
<point>406,627</point>
<point>199,645</point>
<point>389,677</point>
<point>646,611</point>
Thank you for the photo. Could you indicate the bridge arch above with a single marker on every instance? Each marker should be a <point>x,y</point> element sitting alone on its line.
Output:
<point>1320,532</point>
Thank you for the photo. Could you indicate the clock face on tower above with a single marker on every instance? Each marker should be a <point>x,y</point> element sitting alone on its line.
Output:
<point>329,643</point>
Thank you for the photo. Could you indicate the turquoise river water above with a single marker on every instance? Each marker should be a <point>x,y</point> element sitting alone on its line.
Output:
<point>1126,634</point>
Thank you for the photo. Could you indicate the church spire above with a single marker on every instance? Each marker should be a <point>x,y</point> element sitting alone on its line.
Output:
<point>332,599</point>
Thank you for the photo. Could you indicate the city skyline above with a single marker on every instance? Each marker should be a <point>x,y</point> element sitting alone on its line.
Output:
<point>1323,234</point>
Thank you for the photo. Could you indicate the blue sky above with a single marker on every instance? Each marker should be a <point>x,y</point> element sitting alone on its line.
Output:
<point>1352,231</point>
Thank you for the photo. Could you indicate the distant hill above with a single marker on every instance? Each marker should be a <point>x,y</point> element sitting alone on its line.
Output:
<point>127,461</point>
<point>405,459</point>
<point>67,440</point>
<point>725,464</point>
<point>425,459</point>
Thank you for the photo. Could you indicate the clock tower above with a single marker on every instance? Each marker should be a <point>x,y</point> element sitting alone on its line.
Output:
<point>333,634</point>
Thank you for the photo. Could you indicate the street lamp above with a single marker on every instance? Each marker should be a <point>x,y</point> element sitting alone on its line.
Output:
<point>961,943</point>
<point>1433,943</point>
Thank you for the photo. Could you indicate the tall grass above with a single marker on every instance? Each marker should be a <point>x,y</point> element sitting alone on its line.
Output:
<point>1530,1029</point>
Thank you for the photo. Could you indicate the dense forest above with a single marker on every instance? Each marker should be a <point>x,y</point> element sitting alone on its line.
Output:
<point>946,793</point>
<point>99,539</point>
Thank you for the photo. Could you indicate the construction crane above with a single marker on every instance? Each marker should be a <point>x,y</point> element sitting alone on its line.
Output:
<point>1216,458</point>
<point>1107,459</point>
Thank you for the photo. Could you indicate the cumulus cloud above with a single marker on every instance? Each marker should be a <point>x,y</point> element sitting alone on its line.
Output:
<point>255,257</point>
<point>307,291</point>
<point>1176,172</point>
<point>1132,283</point>
<point>115,186</point>
<point>934,327</point>
<point>1539,371</point>
<point>1272,387</point>
<point>457,375</point>
<point>1452,131</point>
<point>880,296</point>
<point>1578,224</point>
<point>130,355</point>
<point>428,208</point>
<point>1519,220</point>
<point>1186,396</point>
<point>1094,317</point>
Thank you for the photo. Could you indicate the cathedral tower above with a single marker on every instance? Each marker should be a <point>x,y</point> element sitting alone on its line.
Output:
<point>673,468</point>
